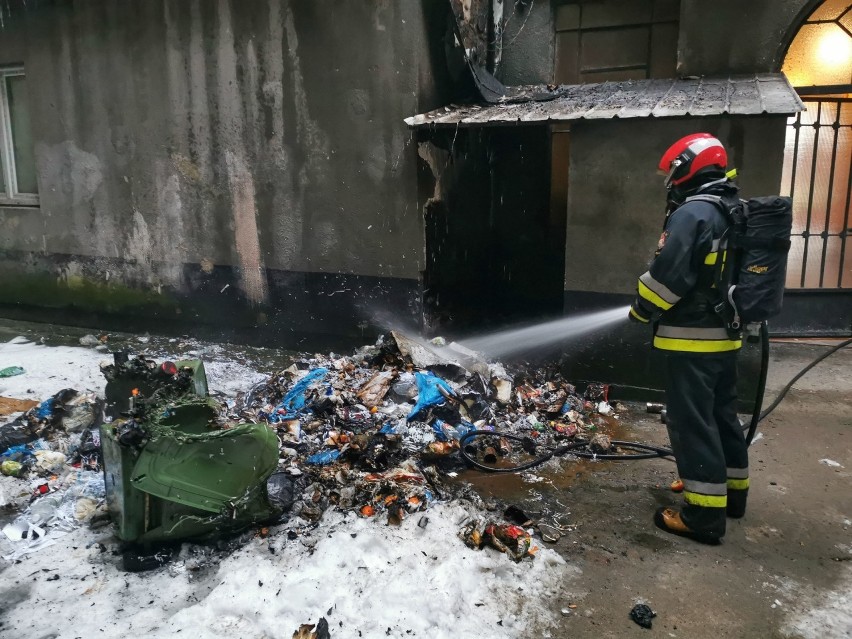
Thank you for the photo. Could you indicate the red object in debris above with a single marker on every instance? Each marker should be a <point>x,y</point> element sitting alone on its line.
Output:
<point>514,531</point>
<point>169,368</point>
<point>510,531</point>
<point>566,429</point>
<point>43,489</point>
<point>677,486</point>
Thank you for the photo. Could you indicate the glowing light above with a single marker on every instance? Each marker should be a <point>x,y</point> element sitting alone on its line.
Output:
<point>835,48</point>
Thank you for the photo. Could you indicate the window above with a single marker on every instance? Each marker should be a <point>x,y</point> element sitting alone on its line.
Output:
<point>818,152</point>
<point>19,184</point>
<point>616,40</point>
<point>821,52</point>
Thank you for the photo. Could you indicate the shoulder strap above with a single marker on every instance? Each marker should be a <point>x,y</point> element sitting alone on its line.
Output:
<point>735,214</point>
<point>705,197</point>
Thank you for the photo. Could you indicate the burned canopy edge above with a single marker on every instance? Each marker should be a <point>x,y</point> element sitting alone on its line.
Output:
<point>767,93</point>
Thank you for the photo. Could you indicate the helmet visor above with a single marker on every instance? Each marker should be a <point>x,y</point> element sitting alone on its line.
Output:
<point>669,175</point>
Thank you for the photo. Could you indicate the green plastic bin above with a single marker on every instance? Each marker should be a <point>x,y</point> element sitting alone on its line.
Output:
<point>188,480</point>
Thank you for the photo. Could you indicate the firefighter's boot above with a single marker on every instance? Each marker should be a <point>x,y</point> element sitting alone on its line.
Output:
<point>670,521</point>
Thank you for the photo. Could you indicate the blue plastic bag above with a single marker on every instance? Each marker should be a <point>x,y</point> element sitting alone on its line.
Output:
<point>439,427</point>
<point>428,392</point>
<point>464,428</point>
<point>20,453</point>
<point>294,400</point>
<point>45,409</point>
<point>445,432</point>
<point>323,458</point>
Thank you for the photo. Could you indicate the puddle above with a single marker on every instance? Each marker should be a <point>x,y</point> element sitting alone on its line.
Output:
<point>551,477</point>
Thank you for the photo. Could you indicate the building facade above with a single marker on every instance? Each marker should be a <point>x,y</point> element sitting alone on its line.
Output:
<point>244,167</point>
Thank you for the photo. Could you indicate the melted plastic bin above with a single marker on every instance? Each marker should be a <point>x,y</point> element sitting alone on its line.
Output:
<point>187,479</point>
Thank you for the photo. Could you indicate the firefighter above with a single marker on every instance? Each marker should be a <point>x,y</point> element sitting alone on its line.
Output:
<point>678,296</point>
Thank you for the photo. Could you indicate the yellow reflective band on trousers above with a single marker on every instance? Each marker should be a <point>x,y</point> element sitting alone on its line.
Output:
<point>711,258</point>
<point>738,484</point>
<point>647,294</point>
<point>639,317</point>
<point>697,345</point>
<point>707,501</point>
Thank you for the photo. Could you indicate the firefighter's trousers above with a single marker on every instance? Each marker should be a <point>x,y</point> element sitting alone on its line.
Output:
<point>707,438</point>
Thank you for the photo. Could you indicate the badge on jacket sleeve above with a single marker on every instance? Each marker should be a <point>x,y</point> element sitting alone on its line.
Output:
<point>663,236</point>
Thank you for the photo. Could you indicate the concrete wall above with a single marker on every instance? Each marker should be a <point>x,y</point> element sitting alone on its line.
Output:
<point>616,200</point>
<point>733,36</point>
<point>185,146</point>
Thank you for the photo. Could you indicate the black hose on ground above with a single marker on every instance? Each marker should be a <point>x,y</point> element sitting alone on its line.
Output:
<point>651,452</point>
<point>647,451</point>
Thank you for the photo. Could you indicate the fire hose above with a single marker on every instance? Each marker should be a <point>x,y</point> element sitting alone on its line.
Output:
<point>643,451</point>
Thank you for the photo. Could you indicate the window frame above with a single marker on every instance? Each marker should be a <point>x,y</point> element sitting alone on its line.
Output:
<point>9,194</point>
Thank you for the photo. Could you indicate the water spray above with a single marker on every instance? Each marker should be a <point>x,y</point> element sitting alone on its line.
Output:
<point>541,454</point>
<point>528,338</point>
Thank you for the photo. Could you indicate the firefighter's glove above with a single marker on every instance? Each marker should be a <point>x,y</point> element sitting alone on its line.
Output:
<point>638,314</point>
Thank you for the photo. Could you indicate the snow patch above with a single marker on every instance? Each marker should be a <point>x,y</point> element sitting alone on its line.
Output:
<point>825,614</point>
<point>49,369</point>
<point>362,576</point>
<point>414,581</point>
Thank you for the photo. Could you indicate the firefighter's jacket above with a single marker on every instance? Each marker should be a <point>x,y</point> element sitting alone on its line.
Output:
<point>678,289</point>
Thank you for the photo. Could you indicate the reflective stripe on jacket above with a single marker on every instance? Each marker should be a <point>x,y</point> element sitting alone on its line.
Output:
<point>678,288</point>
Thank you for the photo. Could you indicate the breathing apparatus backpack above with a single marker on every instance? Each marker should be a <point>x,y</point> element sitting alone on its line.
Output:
<point>751,280</point>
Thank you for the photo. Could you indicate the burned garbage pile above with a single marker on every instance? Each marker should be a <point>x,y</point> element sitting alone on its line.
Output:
<point>51,458</point>
<point>378,432</point>
<point>61,428</point>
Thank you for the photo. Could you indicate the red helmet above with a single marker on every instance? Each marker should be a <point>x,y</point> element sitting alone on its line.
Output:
<point>686,157</point>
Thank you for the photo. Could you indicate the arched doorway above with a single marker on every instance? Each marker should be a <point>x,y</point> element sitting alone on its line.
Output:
<point>818,158</point>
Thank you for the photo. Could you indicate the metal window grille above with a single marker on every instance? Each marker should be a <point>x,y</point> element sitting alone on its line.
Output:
<point>817,176</point>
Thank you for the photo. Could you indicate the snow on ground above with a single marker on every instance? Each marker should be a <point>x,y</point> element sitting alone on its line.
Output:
<point>817,613</point>
<point>827,614</point>
<point>367,579</point>
<point>49,369</point>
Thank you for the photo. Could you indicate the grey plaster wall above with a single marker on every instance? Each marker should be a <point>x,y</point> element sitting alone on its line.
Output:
<point>737,36</point>
<point>528,43</point>
<point>255,134</point>
<point>616,200</point>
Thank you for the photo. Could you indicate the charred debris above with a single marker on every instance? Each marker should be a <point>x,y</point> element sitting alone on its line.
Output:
<point>376,432</point>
